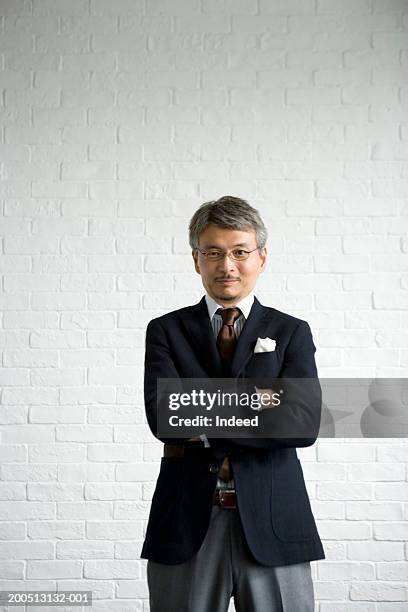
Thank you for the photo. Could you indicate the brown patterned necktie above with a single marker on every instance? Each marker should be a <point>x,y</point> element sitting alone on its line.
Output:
<point>226,341</point>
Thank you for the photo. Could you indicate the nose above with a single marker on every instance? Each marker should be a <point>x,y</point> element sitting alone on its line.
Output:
<point>226,262</point>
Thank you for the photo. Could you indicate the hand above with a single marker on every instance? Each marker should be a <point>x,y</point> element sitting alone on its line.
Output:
<point>265,402</point>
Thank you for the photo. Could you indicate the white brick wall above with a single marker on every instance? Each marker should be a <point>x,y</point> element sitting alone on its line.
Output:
<point>117,119</point>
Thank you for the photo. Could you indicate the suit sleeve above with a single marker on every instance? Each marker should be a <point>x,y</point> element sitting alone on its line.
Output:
<point>301,410</point>
<point>159,363</point>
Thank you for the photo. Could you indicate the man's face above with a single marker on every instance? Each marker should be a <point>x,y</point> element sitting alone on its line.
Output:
<point>228,281</point>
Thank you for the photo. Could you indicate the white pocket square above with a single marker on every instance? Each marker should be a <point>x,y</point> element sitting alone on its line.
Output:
<point>265,345</point>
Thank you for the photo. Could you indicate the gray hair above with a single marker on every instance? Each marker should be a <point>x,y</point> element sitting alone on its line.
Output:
<point>229,212</point>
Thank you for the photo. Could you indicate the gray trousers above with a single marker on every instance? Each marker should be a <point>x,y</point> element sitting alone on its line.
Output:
<point>224,568</point>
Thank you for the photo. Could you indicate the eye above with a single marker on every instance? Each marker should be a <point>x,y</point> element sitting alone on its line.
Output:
<point>213,254</point>
<point>239,253</point>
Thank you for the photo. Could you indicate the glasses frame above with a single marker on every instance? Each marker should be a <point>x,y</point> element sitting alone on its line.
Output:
<point>228,254</point>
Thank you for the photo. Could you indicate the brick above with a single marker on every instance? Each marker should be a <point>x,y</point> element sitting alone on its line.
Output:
<point>113,569</point>
<point>35,135</point>
<point>346,338</point>
<point>392,263</point>
<point>84,510</point>
<point>79,433</point>
<point>121,7</point>
<point>53,491</point>
<point>340,114</point>
<point>26,510</point>
<point>72,473</point>
<point>326,590</point>
<point>115,491</point>
<point>85,395</point>
<point>133,588</point>
<point>14,189</point>
<point>12,491</point>
<point>349,190</point>
<point>348,6</point>
<point>27,472</point>
<point>344,491</point>
<point>54,569</point>
<point>16,7</point>
<point>376,592</point>
<point>313,95</point>
<point>115,452</point>
<point>371,244</point>
<point>376,472</point>
<point>148,282</point>
<point>87,549</point>
<point>128,550</point>
<point>13,301</point>
<point>56,529</point>
<point>394,301</point>
<point>376,551</point>
<point>117,414</point>
<point>26,550</point>
<point>86,357</point>
<point>391,491</point>
<point>56,452</point>
<point>392,531</point>
<point>370,58</point>
<point>12,570</point>
<point>58,301</point>
<point>391,571</point>
<point>382,282</point>
<point>280,7</point>
<point>343,263</point>
<point>387,188</point>
<point>114,530</point>
<point>346,571</point>
<point>376,511</point>
<point>392,452</point>
<point>161,263</point>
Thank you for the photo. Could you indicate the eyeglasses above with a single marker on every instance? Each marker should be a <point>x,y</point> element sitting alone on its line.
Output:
<point>235,254</point>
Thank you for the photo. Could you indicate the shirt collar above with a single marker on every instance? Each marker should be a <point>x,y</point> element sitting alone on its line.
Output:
<point>244,305</point>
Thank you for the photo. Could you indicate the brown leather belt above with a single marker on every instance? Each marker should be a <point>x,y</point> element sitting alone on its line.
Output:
<point>173,450</point>
<point>226,498</point>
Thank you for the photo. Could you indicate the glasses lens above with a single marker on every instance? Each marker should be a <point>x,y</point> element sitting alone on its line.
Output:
<point>239,255</point>
<point>213,255</point>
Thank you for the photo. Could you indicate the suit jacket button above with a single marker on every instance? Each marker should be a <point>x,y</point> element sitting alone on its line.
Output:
<point>214,468</point>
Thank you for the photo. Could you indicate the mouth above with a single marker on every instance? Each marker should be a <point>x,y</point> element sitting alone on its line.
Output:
<point>227,281</point>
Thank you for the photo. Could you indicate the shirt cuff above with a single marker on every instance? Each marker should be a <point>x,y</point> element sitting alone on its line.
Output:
<point>204,439</point>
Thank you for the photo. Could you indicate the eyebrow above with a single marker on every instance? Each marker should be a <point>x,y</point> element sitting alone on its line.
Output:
<point>214,246</point>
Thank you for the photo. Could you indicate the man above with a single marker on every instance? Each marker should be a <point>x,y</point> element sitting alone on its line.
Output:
<point>229,517</point>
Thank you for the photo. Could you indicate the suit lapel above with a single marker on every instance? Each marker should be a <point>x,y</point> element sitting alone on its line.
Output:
<point>198,326</point>
<point>254,326</point>
<point>199,330</point>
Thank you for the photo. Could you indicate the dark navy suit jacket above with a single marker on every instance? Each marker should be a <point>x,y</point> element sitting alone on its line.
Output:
<point>272,500</point>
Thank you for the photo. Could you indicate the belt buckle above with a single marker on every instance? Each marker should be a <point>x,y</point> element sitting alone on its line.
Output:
<point>227,498</point>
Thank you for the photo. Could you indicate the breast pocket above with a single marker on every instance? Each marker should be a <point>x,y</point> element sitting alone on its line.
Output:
<point>263,364</point>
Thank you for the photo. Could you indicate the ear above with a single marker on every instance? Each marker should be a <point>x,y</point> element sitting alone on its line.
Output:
<point>263,256</point>
<point>194,253</point>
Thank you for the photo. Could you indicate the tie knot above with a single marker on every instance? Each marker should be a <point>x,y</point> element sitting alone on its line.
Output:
<point>229,315</point>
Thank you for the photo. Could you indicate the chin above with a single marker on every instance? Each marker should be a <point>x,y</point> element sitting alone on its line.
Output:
<point>228,297</point>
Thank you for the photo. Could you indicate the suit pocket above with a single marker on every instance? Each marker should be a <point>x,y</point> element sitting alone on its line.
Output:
<point>166,499</point>
<point>291,513</point>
